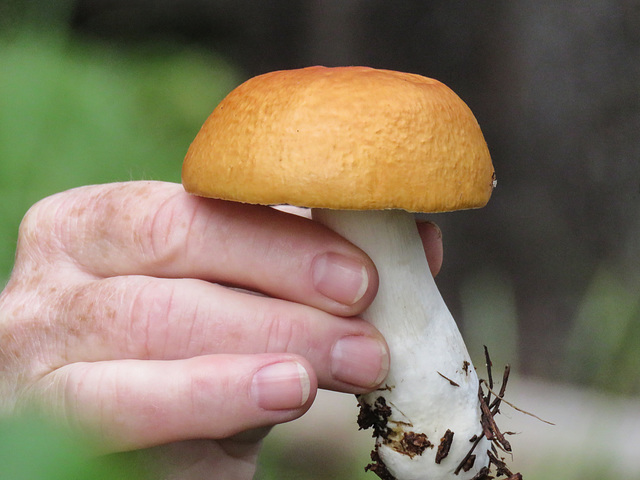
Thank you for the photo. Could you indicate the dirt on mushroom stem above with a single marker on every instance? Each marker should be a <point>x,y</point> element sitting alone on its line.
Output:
<point>377,418</point>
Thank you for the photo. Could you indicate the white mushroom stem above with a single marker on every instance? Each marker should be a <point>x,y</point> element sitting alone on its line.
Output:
<point>432,387</point>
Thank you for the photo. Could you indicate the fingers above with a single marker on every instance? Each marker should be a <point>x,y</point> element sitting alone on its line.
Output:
<point>132,271</point>
<point>156,229</point>
<point>432,241</point>
<point>139,316</point>
<point>136,404</point>
<point>147,318</point>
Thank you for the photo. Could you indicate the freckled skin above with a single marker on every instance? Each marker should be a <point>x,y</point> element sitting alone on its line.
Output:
<point>115,319</point>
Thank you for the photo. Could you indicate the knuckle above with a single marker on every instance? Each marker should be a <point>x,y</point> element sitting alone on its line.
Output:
<point>156,312</point>
<point>22,362</point>
<point>75,223</point>
<point>150,310</point>
<point>284,334</point>
<point>58,226</point>
<point>204,390</point>
<point>167,231</point>
<point>65,393</point>
<point>29,230</point>
<point>41,228</point>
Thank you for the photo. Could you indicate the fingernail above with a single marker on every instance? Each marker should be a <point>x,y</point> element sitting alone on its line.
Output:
<point>360,361</point>
<point>340,278</point>
<point>433,225</point>
<point>281,386</point>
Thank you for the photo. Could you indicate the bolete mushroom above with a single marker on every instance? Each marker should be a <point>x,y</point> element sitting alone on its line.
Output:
<point>363,148</point>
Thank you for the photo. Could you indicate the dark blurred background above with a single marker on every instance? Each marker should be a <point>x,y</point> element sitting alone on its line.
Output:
<point>555,86</point>
<point>547,275</point>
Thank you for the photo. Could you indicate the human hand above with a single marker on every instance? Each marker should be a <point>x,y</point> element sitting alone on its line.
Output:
<point>118,320</point>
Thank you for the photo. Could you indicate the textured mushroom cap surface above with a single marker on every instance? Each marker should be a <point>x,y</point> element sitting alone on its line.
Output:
<point>342,138</point>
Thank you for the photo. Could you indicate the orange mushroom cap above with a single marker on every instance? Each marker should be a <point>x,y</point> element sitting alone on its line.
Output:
<point>342,138</point>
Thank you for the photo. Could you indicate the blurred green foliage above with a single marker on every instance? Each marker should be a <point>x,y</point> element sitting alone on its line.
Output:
<point>74,113</point>
<point>603,350</point>
<point>31,449</point>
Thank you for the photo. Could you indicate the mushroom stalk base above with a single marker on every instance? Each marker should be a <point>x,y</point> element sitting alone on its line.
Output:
<point>427,415</point>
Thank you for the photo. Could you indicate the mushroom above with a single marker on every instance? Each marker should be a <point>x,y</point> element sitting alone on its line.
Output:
<point>363,148</point>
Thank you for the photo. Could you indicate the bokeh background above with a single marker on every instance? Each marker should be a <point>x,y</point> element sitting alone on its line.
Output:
<point>547,275</point>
